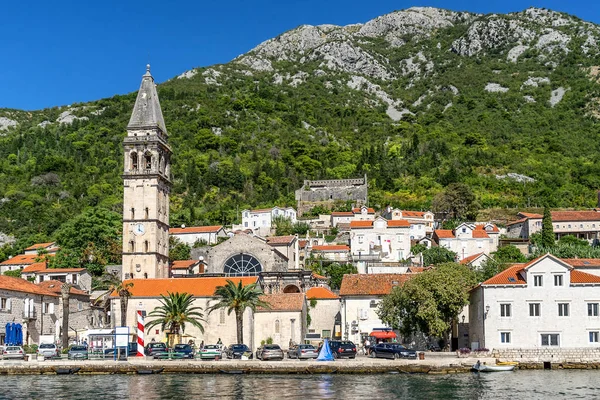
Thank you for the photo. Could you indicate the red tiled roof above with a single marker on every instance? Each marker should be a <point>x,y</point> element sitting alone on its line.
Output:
<point>195,229</point>
<point>493,226</point>
<point>261,210</point>
<point>371,284</point>
<point>582,262</point>
<point>39,246</point>
<point>20,259</point>
<point>333,247</point>
<point>520,221</point>
<point>22,285</point>
<point>398,223</point>
<point>320,293</point>
<point>61,270</point>
<point>281,239</point>
<point>183,264</point>
<point>480,234</point>
<point>302,243</point>
<point>342,214</point>
<point>358,210</point>
<point>417,270</point>
<point>509,276</point>
<point>199,287</point>
<point>413,214</point>
<point>566,216</point>
<point>35,267</point>
<point>54,286</point>
<point>360,224</point>
<point>444,233</point>
<point>320,277</point>
<point>469,259</point>
<point>531,215</point>
<point>283,302</point>
<point>580,277</point>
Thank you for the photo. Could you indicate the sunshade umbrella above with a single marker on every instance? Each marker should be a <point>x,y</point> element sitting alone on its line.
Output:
<point>8,337</point>
<point>19,335</point>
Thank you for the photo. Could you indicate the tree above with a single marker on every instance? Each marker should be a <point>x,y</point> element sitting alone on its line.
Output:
<point>509,254</point>
<point>429,301</point>
<point>176,310</point>
<point>547,239</point>
<point>238,298</point>
<point>570,240</point>
<point>178,250</point>
<point>457,201</point>
<point>15,273</point>
<point>111,282</point>
<point>437,255</point>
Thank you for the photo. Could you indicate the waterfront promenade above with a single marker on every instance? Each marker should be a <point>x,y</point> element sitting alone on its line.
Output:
<point>434,363</point>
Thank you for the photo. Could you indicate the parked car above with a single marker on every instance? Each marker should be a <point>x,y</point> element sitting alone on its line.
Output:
<point>185,349</point>
<point>48,350</point>
<point>342,348</point>
<point>77,352</point>
<point>13,353</point>
<point>131,349</point>
<point>236,351</point>
<point>392,350</point>
<point>302,351</point>
<point>210,351</point>
<point>153,348</point>
<point>269,352</point>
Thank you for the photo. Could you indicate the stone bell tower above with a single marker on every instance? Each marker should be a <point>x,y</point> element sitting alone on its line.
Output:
<point>146,188</point>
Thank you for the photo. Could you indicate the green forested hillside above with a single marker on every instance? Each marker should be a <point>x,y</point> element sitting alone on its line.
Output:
<point>247,133</point>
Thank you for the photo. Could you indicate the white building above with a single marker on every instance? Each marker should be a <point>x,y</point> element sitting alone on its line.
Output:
<point>205,235</point>
<point>360,294</point>
<point>363,213</point>
<point>49,247</point>
<point>422,220</point>
<point>323,306</point>
<point>545,303</point>
<point>333,252</point>
<point>341,217</point>
<point>261,221</point>
<point>468,239</point>
<point>380,240</point>
<point>581,224</point>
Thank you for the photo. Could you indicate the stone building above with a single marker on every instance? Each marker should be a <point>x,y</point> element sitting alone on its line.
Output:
<point>191,235</point>
<point>323,306</point>
<point>146,187</point>
<point>328,192</point>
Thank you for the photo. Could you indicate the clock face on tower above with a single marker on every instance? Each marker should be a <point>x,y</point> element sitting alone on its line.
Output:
<point>139,229</point>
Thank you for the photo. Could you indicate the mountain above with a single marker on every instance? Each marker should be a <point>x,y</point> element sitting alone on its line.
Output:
<point>417,99</point>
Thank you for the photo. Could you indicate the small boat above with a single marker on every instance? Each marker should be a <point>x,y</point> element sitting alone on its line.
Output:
<point>492,368</point>
<point>149,371</point>
<point>66,371</point>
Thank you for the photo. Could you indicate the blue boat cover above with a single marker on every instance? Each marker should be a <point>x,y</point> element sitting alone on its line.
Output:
<point>325,353</point>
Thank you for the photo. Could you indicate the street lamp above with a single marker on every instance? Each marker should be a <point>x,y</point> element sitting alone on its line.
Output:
<point>487,310</point>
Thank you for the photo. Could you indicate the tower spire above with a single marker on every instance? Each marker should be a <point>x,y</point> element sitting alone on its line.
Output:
<point>147,113</point>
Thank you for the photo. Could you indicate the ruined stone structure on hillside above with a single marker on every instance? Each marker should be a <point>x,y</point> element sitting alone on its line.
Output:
<point>327,192</point>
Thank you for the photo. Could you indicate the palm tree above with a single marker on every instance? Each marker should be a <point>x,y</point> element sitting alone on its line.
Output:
<point>111,282</point>
<point>175,311</point>
<point>237,298</point>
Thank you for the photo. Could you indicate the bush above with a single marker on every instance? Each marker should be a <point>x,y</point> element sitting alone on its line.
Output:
<point>30,348</point>
<point>464,350</point>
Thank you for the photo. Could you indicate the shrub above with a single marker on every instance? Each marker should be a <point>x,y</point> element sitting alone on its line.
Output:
<point>464,350</point>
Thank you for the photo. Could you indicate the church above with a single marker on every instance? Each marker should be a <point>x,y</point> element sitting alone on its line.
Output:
<point>272,263</point>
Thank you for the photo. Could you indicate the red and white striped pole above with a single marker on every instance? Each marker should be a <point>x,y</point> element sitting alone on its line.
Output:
<point>140,334</point>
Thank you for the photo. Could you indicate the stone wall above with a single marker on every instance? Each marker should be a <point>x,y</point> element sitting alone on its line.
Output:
<point>549,354</point>
<point>330,191</point>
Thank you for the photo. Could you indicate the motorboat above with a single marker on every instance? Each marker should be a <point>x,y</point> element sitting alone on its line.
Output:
<point>507,363</point>
<point>479,367</point>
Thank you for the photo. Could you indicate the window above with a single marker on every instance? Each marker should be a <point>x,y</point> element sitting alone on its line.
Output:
<point>148,160</point>
<point>373,304</point>
<point>79,305</point>
<point>134,160</point>
<point>557,226</point>
<point>3,303</point>
<point>74,279</point>
<point>479,244</point>
<point>558,280</point>
<point>592,309</point>
<point>534,309</point>
<point>242,265</point>
<point>131,246</point>
<point>593,336</point>
<point>464,230</point>
<point>581,225</point>
<point>277,326</point>
<point>360,239</point>
<point>222,316</point>
<point>146,246</point>
<point>550,339</point>
<point>504,337</point>
<point>146,213</point>
<point>326,334</point>
<point>538,280</point>
<point>569,226</point>
<point>563,309</point>
<point>505,310</point>
<point>132,213</point>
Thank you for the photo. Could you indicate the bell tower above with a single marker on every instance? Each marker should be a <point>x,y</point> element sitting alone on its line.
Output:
<point>146,187</point>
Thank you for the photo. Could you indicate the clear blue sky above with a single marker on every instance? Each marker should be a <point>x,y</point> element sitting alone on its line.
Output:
<point>60,52</point>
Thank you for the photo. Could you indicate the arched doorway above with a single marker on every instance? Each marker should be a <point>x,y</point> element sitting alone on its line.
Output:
<point>291,289</point>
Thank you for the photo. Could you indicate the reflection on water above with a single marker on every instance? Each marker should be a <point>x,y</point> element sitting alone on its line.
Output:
<point>545,385</point>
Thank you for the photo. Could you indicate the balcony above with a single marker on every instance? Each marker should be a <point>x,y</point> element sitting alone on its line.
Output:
<point>29,314</point>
